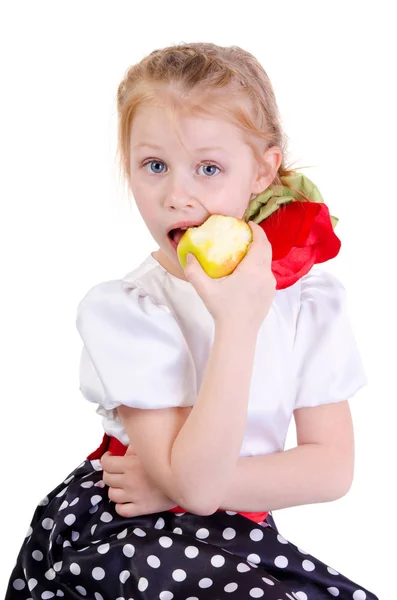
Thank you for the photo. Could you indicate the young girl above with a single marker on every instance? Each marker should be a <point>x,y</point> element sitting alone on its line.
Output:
<point>197,378</point>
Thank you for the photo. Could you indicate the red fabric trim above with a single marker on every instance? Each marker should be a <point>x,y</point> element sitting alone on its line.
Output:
<point>301,235</point>
<point>101,450</point>
<point>113,445</point>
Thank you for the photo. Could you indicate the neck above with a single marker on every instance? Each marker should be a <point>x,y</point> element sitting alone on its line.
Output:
<point>168,265</point>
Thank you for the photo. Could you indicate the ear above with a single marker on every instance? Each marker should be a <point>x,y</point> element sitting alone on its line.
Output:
<point>267,169</point>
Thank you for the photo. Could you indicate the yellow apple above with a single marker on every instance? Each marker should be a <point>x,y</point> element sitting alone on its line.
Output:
<point>219,244</point>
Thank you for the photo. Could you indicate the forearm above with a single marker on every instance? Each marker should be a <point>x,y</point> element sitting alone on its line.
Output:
<point>306,474</point>
<point>206,450</point>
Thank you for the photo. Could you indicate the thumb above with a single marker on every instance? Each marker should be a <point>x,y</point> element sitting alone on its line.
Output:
<point>191,263</point>
<point>103,459</point>
<point>193,269</point>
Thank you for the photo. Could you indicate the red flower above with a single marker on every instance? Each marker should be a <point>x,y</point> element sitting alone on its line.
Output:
<point>301,235</point>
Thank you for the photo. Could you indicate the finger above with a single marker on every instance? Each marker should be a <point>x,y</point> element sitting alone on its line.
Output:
<point>113,480</point>
<point>118,495</point>
<point>195,273</point>
<point>192,263</point>
<point>126,510</point>
<point>257,255</point>
<point>130,451</point>
<point>112,464</point>
<point>258,233</point>
<point>260,245</point>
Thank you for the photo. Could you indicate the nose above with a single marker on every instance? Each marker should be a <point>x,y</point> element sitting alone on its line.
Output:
<point>179,193</point>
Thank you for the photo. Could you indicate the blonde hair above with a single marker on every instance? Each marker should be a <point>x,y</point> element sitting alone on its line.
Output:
<point>203,79</point>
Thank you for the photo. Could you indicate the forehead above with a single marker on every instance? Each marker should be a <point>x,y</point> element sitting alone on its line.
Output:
<point>154,125</point>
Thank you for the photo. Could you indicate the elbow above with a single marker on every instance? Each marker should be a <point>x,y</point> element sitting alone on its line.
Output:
<point>342,486</point>
<point>333,489</point>
<point>202,510</point>
<point>193,495</point>
<point>198,505</point>
<point>342,479</point>
<point>346,474</point>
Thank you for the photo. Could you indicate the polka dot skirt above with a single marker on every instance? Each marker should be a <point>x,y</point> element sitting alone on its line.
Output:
<point>77,546</point>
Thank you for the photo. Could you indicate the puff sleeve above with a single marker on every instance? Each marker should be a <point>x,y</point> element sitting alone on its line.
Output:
<point>134,353</point>
<point>327,361</point>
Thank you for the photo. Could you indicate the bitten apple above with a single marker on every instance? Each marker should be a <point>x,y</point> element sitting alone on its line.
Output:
<point>219,244</point>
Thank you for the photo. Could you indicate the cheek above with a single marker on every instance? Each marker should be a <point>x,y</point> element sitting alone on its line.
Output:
<point>144,200</point>
<point>146,210</point>
<point>152,218</point>
<point>137,186</point>
<point>233,204</point>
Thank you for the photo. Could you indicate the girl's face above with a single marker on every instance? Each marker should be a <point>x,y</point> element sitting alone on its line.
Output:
<point>170,185</point>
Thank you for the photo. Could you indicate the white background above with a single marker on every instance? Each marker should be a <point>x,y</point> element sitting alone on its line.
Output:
<point>66,225</point>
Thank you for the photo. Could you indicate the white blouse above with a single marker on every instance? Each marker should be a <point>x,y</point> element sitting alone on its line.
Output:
<point>147,339</point>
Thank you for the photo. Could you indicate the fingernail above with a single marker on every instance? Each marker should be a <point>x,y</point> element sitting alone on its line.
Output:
<point>189,258</point>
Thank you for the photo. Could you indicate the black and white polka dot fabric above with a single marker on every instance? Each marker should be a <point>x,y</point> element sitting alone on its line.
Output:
<point>77,546</point>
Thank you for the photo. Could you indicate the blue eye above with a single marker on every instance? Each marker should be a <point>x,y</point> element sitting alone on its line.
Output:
<point>209,165</point>
<point>157,163</point>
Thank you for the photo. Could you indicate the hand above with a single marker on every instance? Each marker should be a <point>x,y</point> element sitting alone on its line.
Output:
<point>130,488</point>
<point>244,295</point>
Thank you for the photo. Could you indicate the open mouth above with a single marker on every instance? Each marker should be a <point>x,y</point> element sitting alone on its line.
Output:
<point>174,236</point>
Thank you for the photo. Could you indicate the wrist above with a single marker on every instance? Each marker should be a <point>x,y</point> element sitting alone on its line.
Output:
<point>236,328</point>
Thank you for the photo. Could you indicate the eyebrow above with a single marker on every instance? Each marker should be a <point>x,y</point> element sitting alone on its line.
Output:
<point>204,149</point>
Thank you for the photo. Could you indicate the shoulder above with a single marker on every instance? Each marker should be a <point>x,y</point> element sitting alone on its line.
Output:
<point>328,364</point>
<point>323,326</point>
<point>320,282</point>
<point>136,295</point>
<point>133,344</point>
<point>118,296</point>
<point>322,295</point>
<point>118,314</point>
<point>318,291</point>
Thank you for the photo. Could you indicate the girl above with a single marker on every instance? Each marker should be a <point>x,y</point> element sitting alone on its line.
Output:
<point>197,378</point>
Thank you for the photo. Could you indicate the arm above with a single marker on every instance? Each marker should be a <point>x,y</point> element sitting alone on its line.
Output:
<point>319,469</point>
<point>192,459</point>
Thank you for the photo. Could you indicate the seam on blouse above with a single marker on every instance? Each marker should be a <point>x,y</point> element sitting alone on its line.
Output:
<point>140,285</point>
<point>297,315</point>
